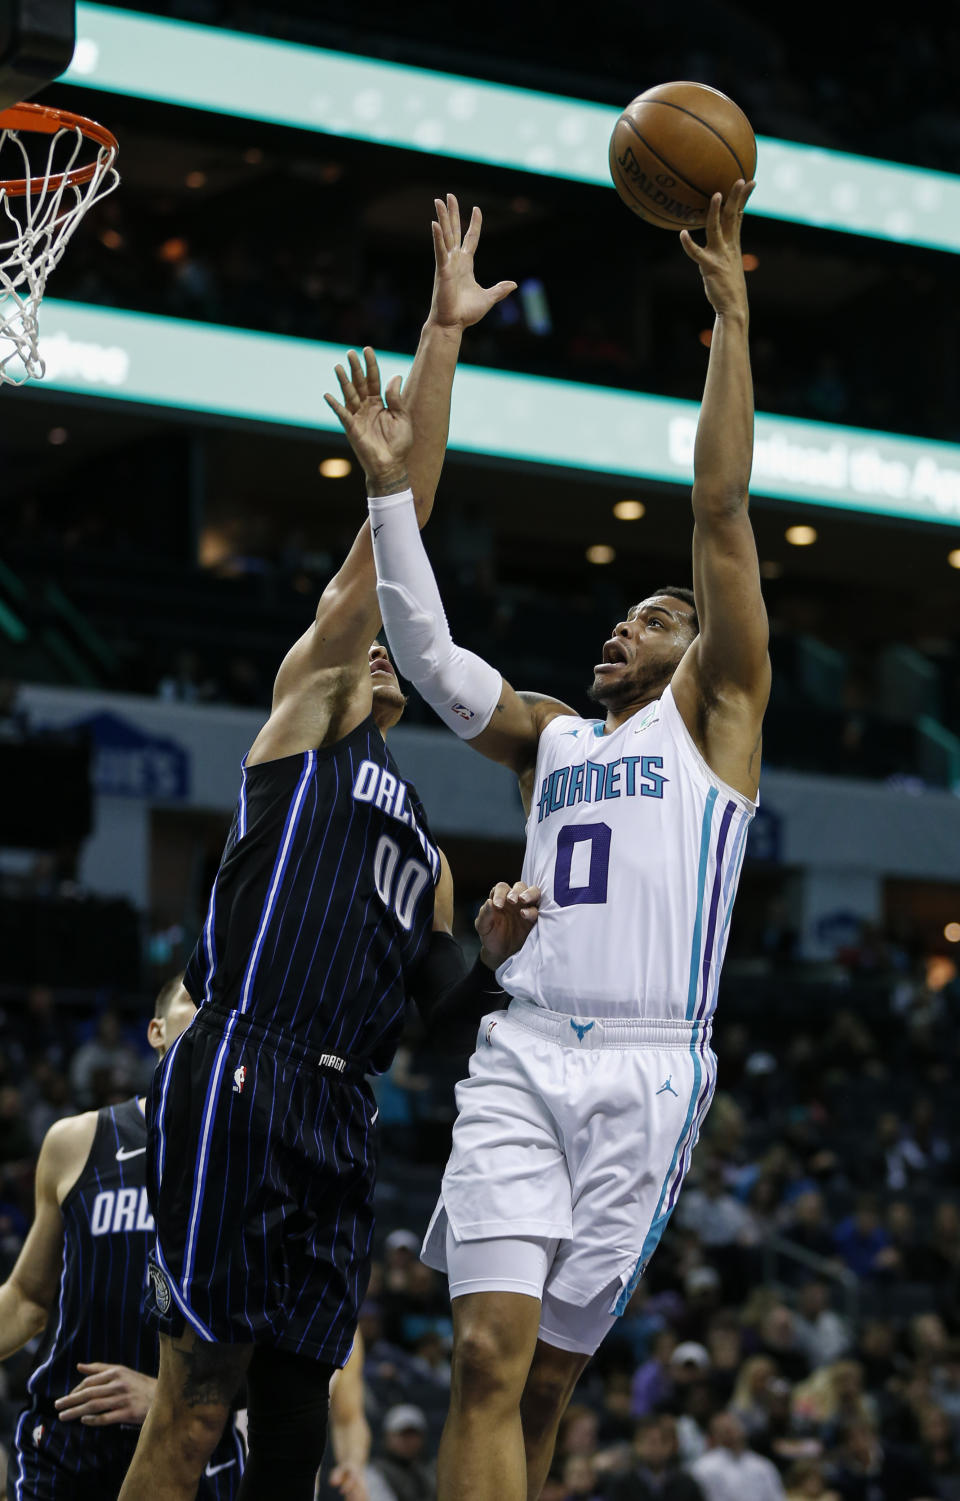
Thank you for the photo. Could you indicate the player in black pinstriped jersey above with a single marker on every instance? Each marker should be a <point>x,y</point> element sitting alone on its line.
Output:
<point>81,1274</point>
<point>331,907</point>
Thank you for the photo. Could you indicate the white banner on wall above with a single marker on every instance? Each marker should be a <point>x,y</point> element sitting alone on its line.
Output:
<point>825,822</point>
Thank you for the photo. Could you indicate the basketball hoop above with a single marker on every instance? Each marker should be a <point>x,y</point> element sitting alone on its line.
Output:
<point>38,214</point>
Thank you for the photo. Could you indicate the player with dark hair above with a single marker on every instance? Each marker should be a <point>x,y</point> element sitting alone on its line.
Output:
<point>585,1099</point>
<point>332,906</point>
<point>81,1276</point>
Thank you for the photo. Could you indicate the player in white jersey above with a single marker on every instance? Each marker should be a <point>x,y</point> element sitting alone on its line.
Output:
<point>585,1097</point>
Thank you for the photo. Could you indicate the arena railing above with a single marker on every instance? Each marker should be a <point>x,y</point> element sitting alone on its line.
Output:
<point>776,1248</point>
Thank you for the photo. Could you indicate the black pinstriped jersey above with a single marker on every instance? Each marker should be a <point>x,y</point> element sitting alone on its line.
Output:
<point>323,903</point>
<point>108,1229</point>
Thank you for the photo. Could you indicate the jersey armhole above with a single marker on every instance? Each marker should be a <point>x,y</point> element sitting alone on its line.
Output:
<point>552,731</point>
<point>75,1185</point>
<point>684,738</point>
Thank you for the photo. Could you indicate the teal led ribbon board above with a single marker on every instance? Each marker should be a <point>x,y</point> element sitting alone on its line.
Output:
<point>230,372</point>
<point>339,94</point>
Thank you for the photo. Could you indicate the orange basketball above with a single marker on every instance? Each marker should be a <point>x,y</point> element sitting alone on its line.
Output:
<point>674,147</point>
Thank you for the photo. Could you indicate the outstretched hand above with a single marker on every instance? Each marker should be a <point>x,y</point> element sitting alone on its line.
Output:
<point>380,428</point>
<point>721,259</point>
<point>458,300</point>
<point>504,921</point>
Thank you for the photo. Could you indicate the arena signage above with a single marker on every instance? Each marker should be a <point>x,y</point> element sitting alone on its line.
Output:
<point>340,94</point>
<point>128,762</point>
<point>229,372</point>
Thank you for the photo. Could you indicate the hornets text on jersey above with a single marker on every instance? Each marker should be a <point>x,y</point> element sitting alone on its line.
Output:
<point>637,847</point>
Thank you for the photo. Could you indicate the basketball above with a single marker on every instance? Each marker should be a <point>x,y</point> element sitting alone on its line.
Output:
<point>675,146</point>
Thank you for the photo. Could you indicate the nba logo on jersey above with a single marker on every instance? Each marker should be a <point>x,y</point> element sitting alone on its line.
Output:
<point>239,1078</point>
<point>37,1435</point>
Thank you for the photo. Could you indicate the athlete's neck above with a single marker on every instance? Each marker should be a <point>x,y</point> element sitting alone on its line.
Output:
<point>616,717</point>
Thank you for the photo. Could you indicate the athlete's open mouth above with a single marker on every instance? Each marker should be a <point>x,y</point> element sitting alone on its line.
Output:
<point>614,654</point>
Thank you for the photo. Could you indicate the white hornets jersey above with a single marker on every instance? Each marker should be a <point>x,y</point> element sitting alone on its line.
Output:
<point>637,848</point>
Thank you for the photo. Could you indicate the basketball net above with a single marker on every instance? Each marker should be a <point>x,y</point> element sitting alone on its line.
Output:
<point>38,215</point>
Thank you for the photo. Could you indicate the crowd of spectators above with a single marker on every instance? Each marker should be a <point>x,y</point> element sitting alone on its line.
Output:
<point>847,699</point>
<point>797,1333</point>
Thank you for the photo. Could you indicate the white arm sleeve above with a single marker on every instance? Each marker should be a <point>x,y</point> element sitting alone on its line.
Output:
<point>462,688</point>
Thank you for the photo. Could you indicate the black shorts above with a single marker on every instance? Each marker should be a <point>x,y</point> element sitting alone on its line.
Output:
<point>54,1461</point>
<point>260,1168</point>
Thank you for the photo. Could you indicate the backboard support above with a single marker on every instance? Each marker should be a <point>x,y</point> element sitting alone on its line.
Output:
<point>37,38</point>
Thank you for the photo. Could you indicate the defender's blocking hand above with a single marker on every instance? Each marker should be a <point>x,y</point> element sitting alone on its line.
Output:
<point>458,299</point>
<point>505,919</point>
<point>379,427</point>
<point>721,259</point>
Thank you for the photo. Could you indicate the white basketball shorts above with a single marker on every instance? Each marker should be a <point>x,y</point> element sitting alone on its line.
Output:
<point>577,1131</point>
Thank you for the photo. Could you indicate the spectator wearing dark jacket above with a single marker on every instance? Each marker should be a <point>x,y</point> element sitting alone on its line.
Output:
<point>654,1474</point>
<point>861,1240</point>
<point>403,1471</point>
<point>868,1469</point>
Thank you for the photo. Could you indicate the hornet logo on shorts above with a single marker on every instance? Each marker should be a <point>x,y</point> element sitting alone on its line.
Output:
<point>581,1031</point>
<point>161,1291</point>
<point>239,1078</point>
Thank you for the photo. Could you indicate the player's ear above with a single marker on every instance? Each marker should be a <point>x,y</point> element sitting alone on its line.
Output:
<point>157,1033</point>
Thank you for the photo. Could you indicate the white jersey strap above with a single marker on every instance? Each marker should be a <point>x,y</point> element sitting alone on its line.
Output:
<point>685,741</point>
<point>462,688</point>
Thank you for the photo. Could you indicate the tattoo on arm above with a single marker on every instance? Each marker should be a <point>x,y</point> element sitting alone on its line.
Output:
<point>212,1373</point>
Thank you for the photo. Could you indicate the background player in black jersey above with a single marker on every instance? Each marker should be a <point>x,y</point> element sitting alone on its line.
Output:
<point>331,907</point>
<point>81,1275</point>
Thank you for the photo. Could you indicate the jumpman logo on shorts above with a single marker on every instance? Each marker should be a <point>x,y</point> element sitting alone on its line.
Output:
<point>667,1085</point>
<point>580,1030</point>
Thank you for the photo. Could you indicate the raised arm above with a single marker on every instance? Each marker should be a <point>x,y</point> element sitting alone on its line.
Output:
<point>469,695</point>
<point>348,612</point>
<point>722,685</point>
<point>348,615</point>
<point>458,302</point>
